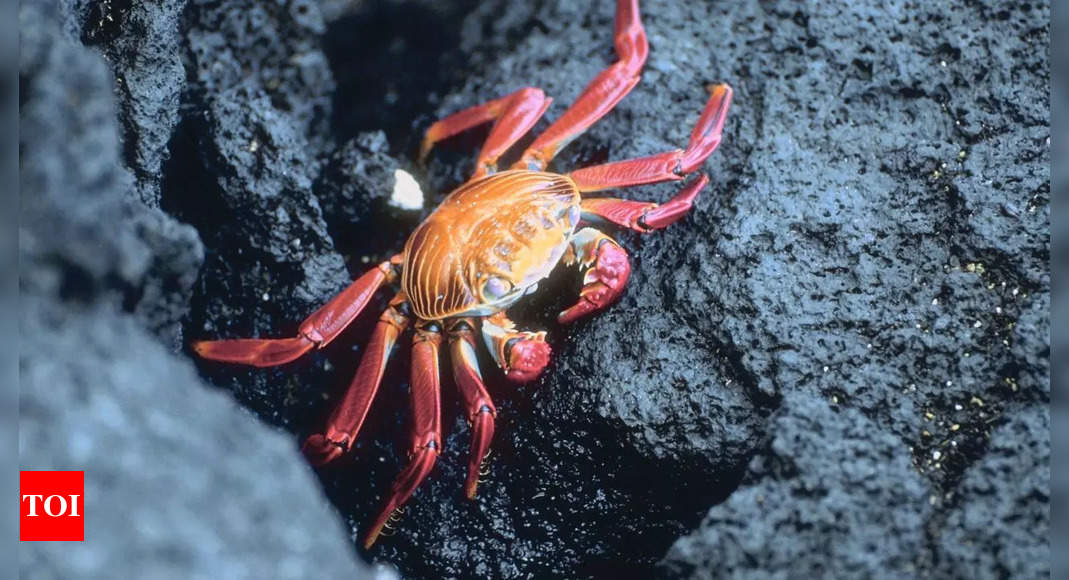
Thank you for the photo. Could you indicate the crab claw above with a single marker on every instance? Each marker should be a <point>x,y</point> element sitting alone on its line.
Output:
<point>527,357</point>
<point>418,469</point>
<point>522,355</point>
<point>606,277</point>
<point>482,432</point>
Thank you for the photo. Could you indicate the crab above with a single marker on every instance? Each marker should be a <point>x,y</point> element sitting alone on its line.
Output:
<point>489,244</point>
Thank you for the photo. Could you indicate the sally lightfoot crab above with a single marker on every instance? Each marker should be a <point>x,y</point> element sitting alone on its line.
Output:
<point>488,244</point>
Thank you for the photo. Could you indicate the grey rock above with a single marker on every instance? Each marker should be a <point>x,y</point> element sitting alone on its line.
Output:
<point>180,482</point>
<point>832,496</point>
<point>142,43</point>
<point>1001,523</point>
<point>75,166</point>
<point>247,161</point>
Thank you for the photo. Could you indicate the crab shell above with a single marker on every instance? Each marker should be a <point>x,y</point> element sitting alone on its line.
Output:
<point>490,242</point>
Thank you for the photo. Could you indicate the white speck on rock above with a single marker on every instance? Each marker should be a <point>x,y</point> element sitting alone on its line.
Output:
<point>406,192</point>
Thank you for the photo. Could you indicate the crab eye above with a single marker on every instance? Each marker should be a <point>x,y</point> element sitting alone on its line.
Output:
<point>496,288</point>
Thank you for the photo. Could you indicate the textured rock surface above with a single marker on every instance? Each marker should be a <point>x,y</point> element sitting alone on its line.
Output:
<point>180,482</point>
<point>836,366</point>
<point>834,495</point>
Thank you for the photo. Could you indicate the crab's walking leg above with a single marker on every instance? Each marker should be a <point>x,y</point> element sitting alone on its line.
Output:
<point>522,112</point>
<point>670,166</point>
<point>316,331</point>
<point>426,426</point>
<point>643,216</point>
<point>348,416</point>
<point>516,113</point>
<point>607,270</point>
<point>480,409</point>
<point>522,355</point>
<point>601,95</point>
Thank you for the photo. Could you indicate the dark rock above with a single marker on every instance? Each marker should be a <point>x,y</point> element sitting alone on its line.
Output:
<point>242,171</point>
<point>262,87</point>
<point>392,60</point>
<point>355,187</point>
<point>833,496</point>
<point>889,253</point>
<point>155,280</point>
<point>180,482</point>
<point>1001,523</point>
<point>142,42</point>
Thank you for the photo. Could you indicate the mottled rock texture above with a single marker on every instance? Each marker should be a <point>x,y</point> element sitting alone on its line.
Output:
<point>180,481</point>
<point>836,366</point>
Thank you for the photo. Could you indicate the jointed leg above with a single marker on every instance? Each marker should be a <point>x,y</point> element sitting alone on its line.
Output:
<point>515,113</point>
<point>348,416</point>
<point>601,95</point>
<point>643,216</point>
<point>607,271</point>
<point>670,166</point>
<point>522,355</point>
<point>480,408</point>
<point>316,331</point>
<point>426,425</point>
<point>522,112</point>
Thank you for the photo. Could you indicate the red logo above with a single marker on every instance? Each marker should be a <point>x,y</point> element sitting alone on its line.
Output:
<point>52,506</point>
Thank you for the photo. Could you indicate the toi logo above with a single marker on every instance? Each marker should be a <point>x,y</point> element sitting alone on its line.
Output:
<point>51,506</point>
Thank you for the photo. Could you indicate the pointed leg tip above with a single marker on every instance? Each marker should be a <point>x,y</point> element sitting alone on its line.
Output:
<point>376,530</point>
<point>470,488</point>
<point>719,88</point>
<point>425,150</point>
<point>319,450</point>
<point>569,316</point>
<point>207,349</point>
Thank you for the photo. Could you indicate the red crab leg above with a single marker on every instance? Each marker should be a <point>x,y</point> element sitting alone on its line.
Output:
<point>522,355</point>
<point>523,111</point>
<point>481,410</point>
<point>426,426</point>
<point>670,166</point>
<point>606,274</point>
<point>644,216</point>
<point>316,331</point>
<point>516,113</point>
<point>348,416</point>
<point>601,95</point>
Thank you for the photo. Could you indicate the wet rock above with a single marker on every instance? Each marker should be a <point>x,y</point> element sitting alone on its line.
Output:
<point>180,482</point>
